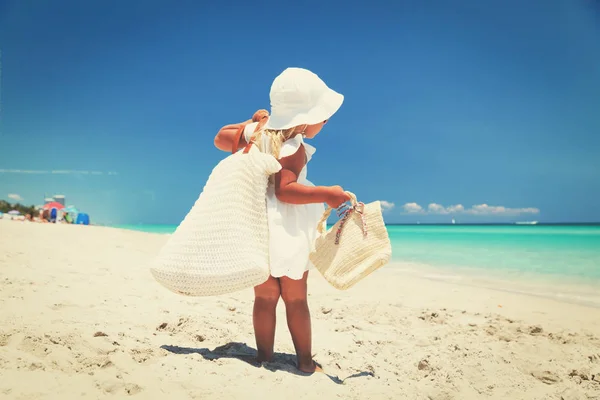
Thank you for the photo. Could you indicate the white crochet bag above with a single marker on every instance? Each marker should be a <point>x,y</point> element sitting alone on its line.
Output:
<point>222,244</point>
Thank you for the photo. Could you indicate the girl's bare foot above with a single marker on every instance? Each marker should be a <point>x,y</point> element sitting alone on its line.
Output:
<point>264,357</point>
<point>310,368</point>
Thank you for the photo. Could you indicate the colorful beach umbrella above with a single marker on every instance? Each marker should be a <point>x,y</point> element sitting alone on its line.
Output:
<point>52,205</point>
<point>71,210</point>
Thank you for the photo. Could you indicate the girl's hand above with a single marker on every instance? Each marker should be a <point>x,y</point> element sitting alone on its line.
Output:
<point>337,197</point>
<point>261,116</point>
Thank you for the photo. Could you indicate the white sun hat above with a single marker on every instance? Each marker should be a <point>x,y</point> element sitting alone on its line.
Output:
<point>299,97</point>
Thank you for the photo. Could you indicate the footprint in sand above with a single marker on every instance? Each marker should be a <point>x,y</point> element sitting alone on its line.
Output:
<point>34,345</point>
<point>35,366</point>
<point>423,365</point>
<point>199,338</point>
<point>132,388</point>
<point>560,338</point>
<point>4,339</point>
<point>583,374</point>
<point>535,330</point>
<point>326,310</point>
<point>547,377</point>
<point>162,326</point>
<point>506,337</point>
<point>87,364</point>
<point>434,316</point>
<point>144,355</point>
<point>348,328</point>
<point>114,387</point>
<point>174,328</point>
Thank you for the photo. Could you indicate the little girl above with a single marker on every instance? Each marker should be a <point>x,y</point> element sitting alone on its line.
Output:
<point>301,103</point>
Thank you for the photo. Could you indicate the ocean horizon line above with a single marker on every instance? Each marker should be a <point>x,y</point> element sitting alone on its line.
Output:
<point>519,223</point>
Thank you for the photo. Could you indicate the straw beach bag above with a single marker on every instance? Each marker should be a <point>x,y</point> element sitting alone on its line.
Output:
<point>222,245</point>
<point>357,245</point>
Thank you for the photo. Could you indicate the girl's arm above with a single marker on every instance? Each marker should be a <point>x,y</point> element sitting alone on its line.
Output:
<point>226,135</point>
<point>288,190</point>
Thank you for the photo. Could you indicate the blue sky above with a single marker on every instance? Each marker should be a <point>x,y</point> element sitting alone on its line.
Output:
<point>446,103</point>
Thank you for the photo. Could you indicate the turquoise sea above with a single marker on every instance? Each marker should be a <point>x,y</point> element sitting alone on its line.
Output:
<point>559,251</point>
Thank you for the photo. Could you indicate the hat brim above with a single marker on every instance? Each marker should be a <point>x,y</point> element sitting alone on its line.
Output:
<point>329,103</point>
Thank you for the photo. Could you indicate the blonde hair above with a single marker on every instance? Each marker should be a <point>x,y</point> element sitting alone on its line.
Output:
<point>274,142</point>
<point>275,139</point>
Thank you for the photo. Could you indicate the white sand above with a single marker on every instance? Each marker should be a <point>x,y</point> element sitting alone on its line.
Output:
<point>393,336</point>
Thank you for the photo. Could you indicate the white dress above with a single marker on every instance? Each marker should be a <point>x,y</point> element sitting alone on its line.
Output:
<point>292,227</point>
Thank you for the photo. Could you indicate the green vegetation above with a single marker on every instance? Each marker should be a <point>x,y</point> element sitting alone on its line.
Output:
<point>5,207</point>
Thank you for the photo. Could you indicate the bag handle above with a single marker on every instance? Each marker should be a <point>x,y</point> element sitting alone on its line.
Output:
<point>261,116</point>
<point>323,222</point>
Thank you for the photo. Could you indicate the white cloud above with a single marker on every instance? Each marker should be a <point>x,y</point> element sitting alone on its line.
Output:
<point>435,208</point>
<point>484,209</point>
<point>458,208</point>
<point>15,197</point>
<point>387,205</point>
<point>413,208</point>
<point>55,172</point>
<point>22,171</point>
<point>478,209</point>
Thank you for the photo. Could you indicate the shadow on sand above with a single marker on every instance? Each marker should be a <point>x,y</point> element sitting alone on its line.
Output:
<point>240,351</point>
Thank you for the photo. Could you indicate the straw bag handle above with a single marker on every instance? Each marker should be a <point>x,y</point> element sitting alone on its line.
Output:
<point>261,117</point>
<point>323,222</point>
<point>236,141</point>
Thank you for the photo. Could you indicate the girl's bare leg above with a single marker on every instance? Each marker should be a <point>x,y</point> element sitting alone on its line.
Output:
<point>266,296</point>
<point>294,294</point>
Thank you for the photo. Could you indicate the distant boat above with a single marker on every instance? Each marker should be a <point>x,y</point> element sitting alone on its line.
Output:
<point>453,221</point>
<point>526,222</point>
